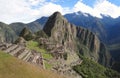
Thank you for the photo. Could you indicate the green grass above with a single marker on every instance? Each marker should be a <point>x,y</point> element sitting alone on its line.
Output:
<point>33,45</point>
<point>11,67</point>
<point>90,69</point>
<point>47,65</point>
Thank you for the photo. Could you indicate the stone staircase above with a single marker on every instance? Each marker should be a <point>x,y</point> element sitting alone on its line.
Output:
<point>22,53</point>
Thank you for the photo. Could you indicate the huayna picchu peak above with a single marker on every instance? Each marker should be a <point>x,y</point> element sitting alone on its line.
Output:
<point>56,18</point>
<point>61,47</point>
<point>77,39</point>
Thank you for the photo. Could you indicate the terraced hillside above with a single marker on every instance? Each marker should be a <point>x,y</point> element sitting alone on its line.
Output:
<point>53,60</point>
<point>22,53</point>
<point>11,67</point>
<point>62,47</point>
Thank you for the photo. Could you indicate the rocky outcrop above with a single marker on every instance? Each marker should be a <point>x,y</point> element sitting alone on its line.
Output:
<point>20,40</point>
<point>40,34</point>
<point>75,39</point>
<point>60,31</point>
<point>26,34</point>
<point>95,50</point>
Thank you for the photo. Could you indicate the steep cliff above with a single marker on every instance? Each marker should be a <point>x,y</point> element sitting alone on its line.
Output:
<point>63,35</point>
<point>75,39</point>
<point>91,47</point>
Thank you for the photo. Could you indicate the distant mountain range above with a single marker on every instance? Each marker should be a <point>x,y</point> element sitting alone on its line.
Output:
<point>106,28</point>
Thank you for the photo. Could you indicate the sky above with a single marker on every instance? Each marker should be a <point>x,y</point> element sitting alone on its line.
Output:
<point>29,10</point>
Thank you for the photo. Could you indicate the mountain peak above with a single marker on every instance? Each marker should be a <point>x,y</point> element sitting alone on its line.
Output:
<point>55,20</point>
<point>61,32</point>
<point>57,13</point>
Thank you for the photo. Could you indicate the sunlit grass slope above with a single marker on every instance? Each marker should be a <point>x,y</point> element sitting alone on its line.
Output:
<point>11,67</point>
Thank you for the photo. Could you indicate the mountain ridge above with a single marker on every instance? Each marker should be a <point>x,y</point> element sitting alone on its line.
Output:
<point>105,28</point>
<point>64,46</point>
<point>61,28</point>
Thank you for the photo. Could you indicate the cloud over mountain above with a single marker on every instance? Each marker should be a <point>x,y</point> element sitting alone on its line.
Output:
<point>100,7</point>
<point>29,10</point>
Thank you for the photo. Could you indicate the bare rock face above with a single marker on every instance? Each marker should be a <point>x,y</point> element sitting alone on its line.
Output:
<point>60,31</point>
<point>62,34</point>
<point>75,39</point>
<point>90,46</point>
<point>20,40</point>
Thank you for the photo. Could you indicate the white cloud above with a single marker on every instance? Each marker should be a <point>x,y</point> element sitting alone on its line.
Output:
<point>108,8</point>
<point>79,6</point>
<point>99,1</point>
<point>100,7</point>
<point>54,0</point>
<point>49,8</point>
<point>29,10</point>
<point>36,2</point>
<point>57,1</point>
<point>21,11</point>
<point>15,11</point>
<point>52,8</point>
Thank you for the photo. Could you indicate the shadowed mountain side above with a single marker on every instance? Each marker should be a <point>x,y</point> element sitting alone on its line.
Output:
<point>18,27</point>
<point>6,33</point>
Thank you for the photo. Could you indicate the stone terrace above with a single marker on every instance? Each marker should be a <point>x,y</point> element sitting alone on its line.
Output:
<point>22,53</point>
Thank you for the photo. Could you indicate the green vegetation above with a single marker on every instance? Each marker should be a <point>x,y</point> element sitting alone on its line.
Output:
<point>47,65</point>
<point>90,69</point>
<point>84,51</point>
<point>33,45</point>
<point>40,33</point>
<point>27,34</point>
<point>11,67</point>
<point>6,33</point>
